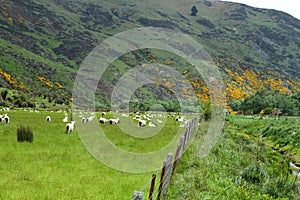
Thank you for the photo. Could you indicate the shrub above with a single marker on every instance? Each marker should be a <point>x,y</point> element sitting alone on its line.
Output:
<point>24,134</point>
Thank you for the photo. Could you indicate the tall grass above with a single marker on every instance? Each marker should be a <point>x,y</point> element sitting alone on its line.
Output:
<point>240,166</point>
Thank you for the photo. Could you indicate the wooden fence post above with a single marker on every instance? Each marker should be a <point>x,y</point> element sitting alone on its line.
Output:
<point>152,187</point>
<point>178,153</point>
<point>161,181</point>
<point>168,173</point>
<point>168,167</point>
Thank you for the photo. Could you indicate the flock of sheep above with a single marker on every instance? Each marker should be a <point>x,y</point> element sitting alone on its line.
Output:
<point>69,126</point>
<point>145,119</point>
<point>142,120</point>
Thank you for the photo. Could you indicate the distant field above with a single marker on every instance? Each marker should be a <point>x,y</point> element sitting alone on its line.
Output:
<point>57,166</point>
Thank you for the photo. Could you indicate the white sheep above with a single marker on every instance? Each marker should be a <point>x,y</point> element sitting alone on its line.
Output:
<point>5,118</point>
<point>103,114</point>
<point>48,119</point>
<point>142,122</point>
<point>137,117</point>
<point>152,124</point>
<point>65,119</point>
<point>90,118</point>
<point>70,127</point>
<point>83,120</point>
<point>180,119</point>
<point>103,120</point>
<point>114,121</point>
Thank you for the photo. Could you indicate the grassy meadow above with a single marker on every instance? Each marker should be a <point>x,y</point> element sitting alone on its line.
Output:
<point>248,161</point>
<point>57,166</point>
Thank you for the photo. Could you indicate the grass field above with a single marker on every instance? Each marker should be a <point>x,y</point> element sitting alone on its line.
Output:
<point>57,165</point>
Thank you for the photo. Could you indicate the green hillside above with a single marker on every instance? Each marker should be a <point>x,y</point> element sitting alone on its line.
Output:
<point>43,43</point>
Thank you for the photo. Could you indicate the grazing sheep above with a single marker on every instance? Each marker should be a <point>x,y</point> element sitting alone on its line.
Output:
<point>187,122</point>
<point>48,119</point>
<point>65,119</point>
<point>159,121</point>
<point>149,117</point>
<point>114,121</point>
<point>103,120</point>
<point>90,118</point>
<point>5,118</point>
<point>137,117</point>
<point>152,124</point>
<point>179,119</point>
<point>84,120</point>
<point>103,114</point>
<point>142,123</point>
<point>70,127</point>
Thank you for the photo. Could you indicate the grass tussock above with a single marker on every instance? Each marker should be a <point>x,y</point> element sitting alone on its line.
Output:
<point>24,134</point>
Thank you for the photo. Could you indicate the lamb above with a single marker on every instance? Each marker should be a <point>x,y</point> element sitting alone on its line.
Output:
<point>70,127</point>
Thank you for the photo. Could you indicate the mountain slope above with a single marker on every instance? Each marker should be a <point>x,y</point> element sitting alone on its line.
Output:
<point>43,43</point>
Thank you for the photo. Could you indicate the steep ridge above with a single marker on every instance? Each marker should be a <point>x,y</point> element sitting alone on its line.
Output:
<point>44,42</point>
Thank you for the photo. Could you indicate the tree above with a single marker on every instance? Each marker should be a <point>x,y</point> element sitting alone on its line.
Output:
<point>235,105</point>
<point>4,94</point>
<point>194,11</point>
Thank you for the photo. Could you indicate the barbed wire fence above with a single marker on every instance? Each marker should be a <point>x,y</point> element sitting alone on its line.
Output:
<point>168,168</point>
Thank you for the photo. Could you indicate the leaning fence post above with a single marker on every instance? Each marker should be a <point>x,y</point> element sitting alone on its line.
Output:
<point>152,187</point>
<point>178,153</point>
<point>161,181</point>
<point>168,173</point>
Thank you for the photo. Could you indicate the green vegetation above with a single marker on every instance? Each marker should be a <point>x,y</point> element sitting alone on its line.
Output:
<point>44,42</point>
<point>24,134</point>
<point>19,99</point>
<point>50,40</point>
<point>242,165</point>
<point>270,102</point>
